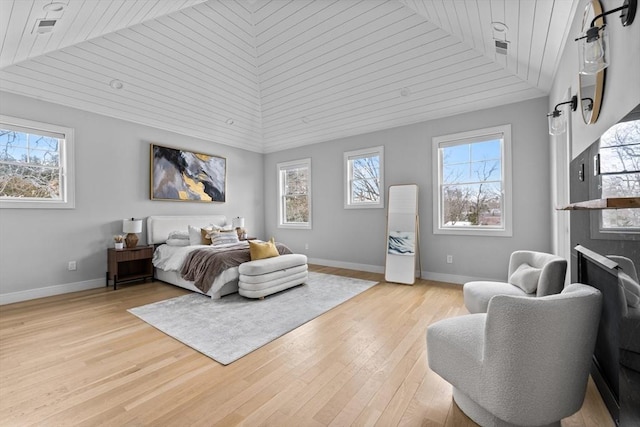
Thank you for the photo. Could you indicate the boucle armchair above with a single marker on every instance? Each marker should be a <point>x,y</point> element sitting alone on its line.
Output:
<point>524,362</point>
<point>531,274</point>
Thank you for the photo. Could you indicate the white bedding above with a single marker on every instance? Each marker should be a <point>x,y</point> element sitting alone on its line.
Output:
<point>171,258</point>
<point>168,260</point>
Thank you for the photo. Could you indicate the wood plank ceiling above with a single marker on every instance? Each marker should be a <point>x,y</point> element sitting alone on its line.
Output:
<point>267,75</point>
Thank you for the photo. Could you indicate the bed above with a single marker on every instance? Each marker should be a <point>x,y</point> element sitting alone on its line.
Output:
<point>169,260</point>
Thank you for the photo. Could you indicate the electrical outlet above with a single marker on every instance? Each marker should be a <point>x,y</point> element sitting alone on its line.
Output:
<point>72,266</point>
<point>306,246</point>
<point>449,259</point>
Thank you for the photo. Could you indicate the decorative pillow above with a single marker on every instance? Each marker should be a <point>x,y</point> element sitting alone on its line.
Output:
<point>261,250</point>
<point>631,289</point>
<point>178,242</point>
<point>526,278</point>
<point>178,235</point>
<point>223,237</point>
<point>197,237</point>
<point>205,235</point>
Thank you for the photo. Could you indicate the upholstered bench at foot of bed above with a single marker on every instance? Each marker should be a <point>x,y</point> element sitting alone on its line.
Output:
<point>270,275</point>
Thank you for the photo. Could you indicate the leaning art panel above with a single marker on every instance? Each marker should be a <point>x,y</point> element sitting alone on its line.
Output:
<point>402,243</point>
<point>182,175</point>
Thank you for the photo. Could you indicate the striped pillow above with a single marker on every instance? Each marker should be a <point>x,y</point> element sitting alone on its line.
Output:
<point>224,238</point>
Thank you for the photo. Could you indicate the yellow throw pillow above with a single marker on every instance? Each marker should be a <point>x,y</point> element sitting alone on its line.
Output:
<point>261,250</point>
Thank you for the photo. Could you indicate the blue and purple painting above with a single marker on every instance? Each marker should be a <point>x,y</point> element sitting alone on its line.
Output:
<point>182,175</point>
<point>402,243</point>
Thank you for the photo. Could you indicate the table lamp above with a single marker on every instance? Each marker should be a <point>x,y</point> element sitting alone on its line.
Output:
<point>131,227</point>
<point>238,225</point>
<point>237,222</point>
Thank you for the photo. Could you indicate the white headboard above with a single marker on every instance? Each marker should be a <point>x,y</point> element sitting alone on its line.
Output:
<point>159,227</point>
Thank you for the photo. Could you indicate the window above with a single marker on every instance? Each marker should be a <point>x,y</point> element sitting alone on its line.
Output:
<point>294,194</point>
<point>619,166</point>
<point>36,165</point>
<point>472,171</point>
<point>364,178</point>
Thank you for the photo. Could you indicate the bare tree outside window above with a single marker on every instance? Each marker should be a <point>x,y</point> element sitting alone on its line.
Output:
<point>29,166</point>
<point>472,184</point>
<point>294,180</point>
<point>620,173</point>
<point>296,208</point>
<point>472,192</point>
<point>364,178</point>
<point>365,184</point>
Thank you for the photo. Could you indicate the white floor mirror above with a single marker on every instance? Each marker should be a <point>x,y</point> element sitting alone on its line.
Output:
<point>403,235</point>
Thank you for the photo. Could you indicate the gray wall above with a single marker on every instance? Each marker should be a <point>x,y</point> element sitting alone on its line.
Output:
<point>112,182</point>
<point>355,238</point>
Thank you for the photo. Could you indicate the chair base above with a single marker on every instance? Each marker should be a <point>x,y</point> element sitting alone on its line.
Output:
<point>481,416</point>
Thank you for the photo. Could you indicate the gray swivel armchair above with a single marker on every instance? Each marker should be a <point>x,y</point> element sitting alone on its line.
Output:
<point>531,274</point>
<point>524,362</point>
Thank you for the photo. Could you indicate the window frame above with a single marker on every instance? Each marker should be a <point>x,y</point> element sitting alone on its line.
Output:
<point>462,138</point>
<point>283,166</point>
<point>67,166</point>
<point>348,156</point>
<point>610,232</point>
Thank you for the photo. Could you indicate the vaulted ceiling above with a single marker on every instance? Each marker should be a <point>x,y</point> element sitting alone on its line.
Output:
<point>267,75</point>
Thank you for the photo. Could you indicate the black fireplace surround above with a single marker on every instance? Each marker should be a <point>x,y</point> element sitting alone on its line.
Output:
<point>616,362</point>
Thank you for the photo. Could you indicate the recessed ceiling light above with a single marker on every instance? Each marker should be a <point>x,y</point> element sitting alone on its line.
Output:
<point>230,121</point>
<point>116,84</point>
<point>54,6</point>
<point>499,26</point>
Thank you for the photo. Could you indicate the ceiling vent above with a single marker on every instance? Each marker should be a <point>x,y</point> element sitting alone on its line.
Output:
<point>501,47</point>
<point>44,26</point>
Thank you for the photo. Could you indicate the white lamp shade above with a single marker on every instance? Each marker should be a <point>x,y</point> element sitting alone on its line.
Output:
<point>238,222</point>
<point>132,225</point>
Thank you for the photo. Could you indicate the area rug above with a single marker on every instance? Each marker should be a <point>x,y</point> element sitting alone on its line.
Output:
<point>233,326</point>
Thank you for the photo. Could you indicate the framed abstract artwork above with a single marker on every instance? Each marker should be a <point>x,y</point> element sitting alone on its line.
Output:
<point>181,175</point>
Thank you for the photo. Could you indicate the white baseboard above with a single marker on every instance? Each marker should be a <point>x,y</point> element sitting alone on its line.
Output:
<point>438,277</point>
<point>348,265</point>
<point>448,278</point>
<point>65,288</point>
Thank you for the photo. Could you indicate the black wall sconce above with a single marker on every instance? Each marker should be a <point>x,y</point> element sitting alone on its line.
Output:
<point>587,104</point>
<point>558,122</point>
<point>593,44</point>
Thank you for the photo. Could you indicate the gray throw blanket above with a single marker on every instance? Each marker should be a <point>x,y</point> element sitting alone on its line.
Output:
<point>202,266</point>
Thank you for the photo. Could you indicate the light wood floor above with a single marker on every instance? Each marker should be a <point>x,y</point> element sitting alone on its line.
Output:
<point>82,359</point>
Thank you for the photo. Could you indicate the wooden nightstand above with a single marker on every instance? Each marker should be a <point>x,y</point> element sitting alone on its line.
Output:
<point>129,264</point>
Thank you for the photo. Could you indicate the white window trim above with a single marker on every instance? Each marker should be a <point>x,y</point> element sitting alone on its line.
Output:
<point>597,217</point>
<point>365,152</point>
<point>290,165</point>
<point>67,165</point>
<point>507,230</point>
